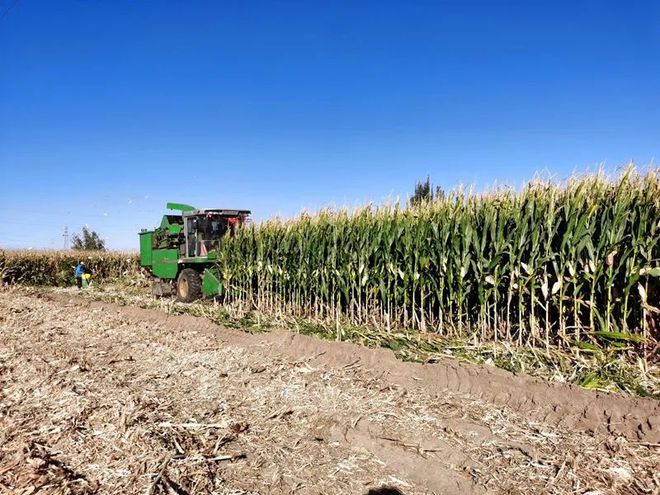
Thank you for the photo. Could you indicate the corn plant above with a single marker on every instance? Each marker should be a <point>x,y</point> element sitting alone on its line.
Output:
<point>57,267</point>
<point>551,264</point>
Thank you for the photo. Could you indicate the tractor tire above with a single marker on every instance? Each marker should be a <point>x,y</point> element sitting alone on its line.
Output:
<point>188,286</point>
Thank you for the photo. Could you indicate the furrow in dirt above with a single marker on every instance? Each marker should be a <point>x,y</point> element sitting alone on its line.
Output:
<point>100,398</point>
<point>571,406</point>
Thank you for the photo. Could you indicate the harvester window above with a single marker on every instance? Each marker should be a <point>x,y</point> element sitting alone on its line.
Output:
<point>192,237</point>
<point>205,232</point>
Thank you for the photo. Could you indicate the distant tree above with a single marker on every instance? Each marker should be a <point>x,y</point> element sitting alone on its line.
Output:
<point>424,192</point>
<point>88,241</point>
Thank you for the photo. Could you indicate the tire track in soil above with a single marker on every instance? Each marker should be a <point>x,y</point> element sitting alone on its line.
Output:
<point>318,417</point>
<point>636,418</point>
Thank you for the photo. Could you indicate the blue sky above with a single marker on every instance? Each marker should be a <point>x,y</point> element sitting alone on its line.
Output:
<point>110,108</point>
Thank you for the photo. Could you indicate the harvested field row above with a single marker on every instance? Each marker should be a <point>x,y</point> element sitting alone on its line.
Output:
<point>98,398</point>
<point>570,406</point>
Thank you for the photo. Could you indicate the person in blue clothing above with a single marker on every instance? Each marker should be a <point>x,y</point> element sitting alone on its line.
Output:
<point>80,271</point>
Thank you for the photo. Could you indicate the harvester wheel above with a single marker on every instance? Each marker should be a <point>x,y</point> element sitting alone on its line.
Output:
<point>188,286</point>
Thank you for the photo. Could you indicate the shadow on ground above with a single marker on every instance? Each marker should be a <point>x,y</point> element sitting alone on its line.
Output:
<point>385,490</point>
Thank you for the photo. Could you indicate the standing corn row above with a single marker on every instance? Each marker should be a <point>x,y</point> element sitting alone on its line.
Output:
<point>57,267</point>
<point>554,262</point>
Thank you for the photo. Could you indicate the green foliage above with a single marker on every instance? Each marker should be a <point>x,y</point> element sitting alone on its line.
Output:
<point>88,241</point>
<point>424,192</point>
<point>548,265</point>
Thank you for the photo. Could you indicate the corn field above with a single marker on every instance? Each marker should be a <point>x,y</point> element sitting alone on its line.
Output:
<point>572,262</point>
<point>57,267</point>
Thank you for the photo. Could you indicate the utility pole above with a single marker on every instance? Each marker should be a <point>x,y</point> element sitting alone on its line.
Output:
<point>66,237</point>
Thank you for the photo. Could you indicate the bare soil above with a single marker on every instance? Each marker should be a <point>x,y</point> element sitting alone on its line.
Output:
<point>101,398</point>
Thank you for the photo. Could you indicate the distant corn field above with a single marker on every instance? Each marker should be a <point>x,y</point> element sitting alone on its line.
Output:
<point>575,262</point>
<point>57,267</point>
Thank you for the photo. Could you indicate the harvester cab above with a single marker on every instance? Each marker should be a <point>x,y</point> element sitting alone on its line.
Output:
<point>180,253</point>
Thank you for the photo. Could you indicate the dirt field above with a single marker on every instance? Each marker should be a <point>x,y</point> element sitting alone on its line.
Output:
<point>100,398</point>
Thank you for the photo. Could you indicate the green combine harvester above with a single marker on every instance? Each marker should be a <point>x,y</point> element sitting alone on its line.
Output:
<point>180,253</point>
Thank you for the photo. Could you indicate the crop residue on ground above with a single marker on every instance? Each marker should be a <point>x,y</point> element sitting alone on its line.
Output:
<point>99,398</point>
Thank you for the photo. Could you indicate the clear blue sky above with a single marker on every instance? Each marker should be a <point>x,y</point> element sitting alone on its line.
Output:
<point>110,108</point>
